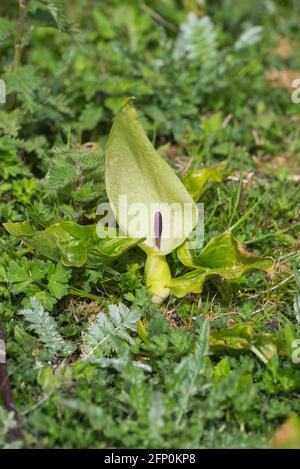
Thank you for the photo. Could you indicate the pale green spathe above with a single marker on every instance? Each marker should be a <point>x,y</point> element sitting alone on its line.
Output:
<point>134,170</point>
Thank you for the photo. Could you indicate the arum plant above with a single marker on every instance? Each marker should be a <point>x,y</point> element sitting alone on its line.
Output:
<point>135,170</point>
<point>155,211</point>
<point>165,212</point>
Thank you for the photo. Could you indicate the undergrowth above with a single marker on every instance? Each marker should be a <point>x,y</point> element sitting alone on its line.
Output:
<point>92,362</point>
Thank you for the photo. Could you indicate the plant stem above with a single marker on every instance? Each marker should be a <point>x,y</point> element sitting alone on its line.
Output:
<point>259,354</point>
<point>20,31</point>
<point>158,17</point>
<point>237,200</point>
<point>157,276</point>
<point>83,294</point>
<point>270,235</point>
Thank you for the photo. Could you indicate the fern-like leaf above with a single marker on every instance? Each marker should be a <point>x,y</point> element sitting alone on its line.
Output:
<point>76,174</point>
<point>55,8</point>
<point>6,29</point>
<point>110,332</point>
<point>24,82</point>
<point>45,327</point>
<point>249,37</point>
<point>189,374</point>
<point>197,41</point>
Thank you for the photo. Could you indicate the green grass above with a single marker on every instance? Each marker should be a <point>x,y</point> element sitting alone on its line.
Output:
<point>207,371</point>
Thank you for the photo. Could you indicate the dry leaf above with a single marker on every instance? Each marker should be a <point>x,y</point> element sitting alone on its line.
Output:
<point>282,78</point>
<point>283,48</point>
<point>288,435</point>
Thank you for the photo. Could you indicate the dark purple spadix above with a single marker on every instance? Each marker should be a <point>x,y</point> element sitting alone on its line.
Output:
<point>157,228</point>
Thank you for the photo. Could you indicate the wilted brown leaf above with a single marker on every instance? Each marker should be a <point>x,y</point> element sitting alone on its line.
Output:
<point>269,166</point>
<point>288,435</point>
<point>282,78</point>
<point>283,48</point>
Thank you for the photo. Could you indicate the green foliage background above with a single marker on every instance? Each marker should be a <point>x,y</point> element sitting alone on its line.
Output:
<point>209,371</point>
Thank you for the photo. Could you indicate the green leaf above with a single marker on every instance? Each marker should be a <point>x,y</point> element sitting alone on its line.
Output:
<point>192,282</point>
<point>56,10</point>
<point>23,273</point>
<point>6,29</point>
<point>236,338</point>
<point>225,253</point>
<point>76,175</point>
<point>3,276</point>
<point>46,329</point>
<point>197,41</point>
<point>104,26</point>
<point>44,242</point>
<point>24,82</point>
<point>58,278</point>
<point>249,37</point>
<point>133,169</point>
<point>189,374</point>
<point>222,369</point>
<point>222,256</point>
<point>108,333</point>
<point>43,297</point>
<point>196,183</point>
<point>19,229</point>
<point>90,117</point>
<point>10,122</point>
<point>71,240</point>
<point>75,245</point>
<point>27,341</point>
<point>244,337</point>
